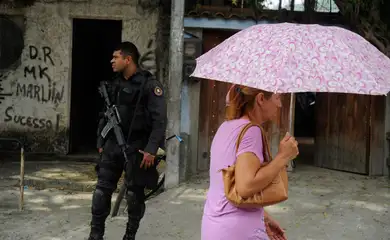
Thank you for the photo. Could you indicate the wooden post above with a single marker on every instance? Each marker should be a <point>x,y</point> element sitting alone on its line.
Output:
<point>21,197</point>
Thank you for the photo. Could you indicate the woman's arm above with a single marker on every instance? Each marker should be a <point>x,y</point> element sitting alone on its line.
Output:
<point>250,178</point>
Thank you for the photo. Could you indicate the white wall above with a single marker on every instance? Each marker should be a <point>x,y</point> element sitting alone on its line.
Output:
<point>45,67</point>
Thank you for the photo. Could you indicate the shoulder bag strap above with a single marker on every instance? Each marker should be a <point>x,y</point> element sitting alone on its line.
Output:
<point>266,150</point>
<point>242,133</point>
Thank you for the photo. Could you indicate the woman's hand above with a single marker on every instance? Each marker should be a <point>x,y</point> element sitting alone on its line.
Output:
<point>274,231</point>
<point>288,148</point>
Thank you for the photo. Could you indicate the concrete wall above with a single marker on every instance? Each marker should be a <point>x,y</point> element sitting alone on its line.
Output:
<point>39,107</point>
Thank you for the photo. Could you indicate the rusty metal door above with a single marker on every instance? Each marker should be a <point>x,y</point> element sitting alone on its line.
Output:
<point>343,132</point>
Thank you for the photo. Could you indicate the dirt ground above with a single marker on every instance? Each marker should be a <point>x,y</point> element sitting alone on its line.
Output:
<point>323,204</point>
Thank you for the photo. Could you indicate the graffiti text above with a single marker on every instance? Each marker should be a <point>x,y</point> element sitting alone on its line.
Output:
<point>30,121</point>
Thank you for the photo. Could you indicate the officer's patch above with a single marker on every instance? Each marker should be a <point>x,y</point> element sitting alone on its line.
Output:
<point>158,91</point>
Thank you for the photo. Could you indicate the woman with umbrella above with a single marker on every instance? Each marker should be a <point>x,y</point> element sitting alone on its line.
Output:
<point>264,61</point>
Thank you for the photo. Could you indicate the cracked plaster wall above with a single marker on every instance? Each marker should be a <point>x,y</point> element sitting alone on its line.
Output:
<point>36,112</point>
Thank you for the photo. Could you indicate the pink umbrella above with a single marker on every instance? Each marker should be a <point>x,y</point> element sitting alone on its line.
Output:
<point>288,57</point>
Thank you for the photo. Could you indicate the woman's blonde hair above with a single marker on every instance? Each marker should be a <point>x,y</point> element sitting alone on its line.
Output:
<point>241,100</point>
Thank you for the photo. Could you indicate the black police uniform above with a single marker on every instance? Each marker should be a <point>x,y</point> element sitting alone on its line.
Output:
<point>148,134</point>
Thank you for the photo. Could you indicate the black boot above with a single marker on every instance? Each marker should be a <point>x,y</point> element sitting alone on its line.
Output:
<point>133,224</point>
<point>96,234</point>
<point>136,211</point>
<point>130,233</point>
<point>93,237</point>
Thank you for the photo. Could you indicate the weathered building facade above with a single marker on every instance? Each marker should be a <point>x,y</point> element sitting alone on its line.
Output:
<point>54,53</point>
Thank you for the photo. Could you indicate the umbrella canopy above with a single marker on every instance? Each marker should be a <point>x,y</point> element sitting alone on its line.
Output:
<point>288,57</point>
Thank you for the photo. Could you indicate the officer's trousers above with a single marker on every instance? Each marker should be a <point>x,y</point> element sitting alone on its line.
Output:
<point>109,170</point>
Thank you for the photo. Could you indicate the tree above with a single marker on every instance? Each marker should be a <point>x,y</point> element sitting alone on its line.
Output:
<point>369,18</point>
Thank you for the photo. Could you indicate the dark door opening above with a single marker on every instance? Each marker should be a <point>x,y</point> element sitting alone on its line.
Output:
<point>305,126</point>
<point>93,44</point>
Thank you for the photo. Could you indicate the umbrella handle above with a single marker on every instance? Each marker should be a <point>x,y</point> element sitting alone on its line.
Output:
<point>291,114</point>
<point>291,126</point>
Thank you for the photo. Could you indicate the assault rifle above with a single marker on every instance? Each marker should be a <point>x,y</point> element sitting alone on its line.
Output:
<point>111,113</point>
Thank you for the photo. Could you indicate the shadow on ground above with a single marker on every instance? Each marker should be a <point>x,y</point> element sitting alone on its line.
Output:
<point>74,176</point>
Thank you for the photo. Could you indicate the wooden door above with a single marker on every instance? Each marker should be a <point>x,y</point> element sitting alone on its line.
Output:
<point>212,108</point>
<point>343,132</point>
<point>212,102</point>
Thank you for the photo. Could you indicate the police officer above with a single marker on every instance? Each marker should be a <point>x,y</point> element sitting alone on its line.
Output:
<point>147,135</point>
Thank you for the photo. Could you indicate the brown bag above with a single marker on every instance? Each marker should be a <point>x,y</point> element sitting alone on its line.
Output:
<point>275,192</point>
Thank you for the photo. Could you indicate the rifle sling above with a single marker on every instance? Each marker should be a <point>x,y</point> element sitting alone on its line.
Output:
<point>136,107</point>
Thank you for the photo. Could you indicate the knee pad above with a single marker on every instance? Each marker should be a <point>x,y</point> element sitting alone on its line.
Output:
<point>101,202</point>
<point>108,178</point>
<point>135,205</point>
<point>131,197</point>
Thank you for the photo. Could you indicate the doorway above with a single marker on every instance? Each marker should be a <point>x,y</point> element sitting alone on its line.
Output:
<point>93,44</point>
<point>305,126</point>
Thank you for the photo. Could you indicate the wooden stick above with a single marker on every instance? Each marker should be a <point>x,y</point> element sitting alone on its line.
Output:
<point>21,197</point>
